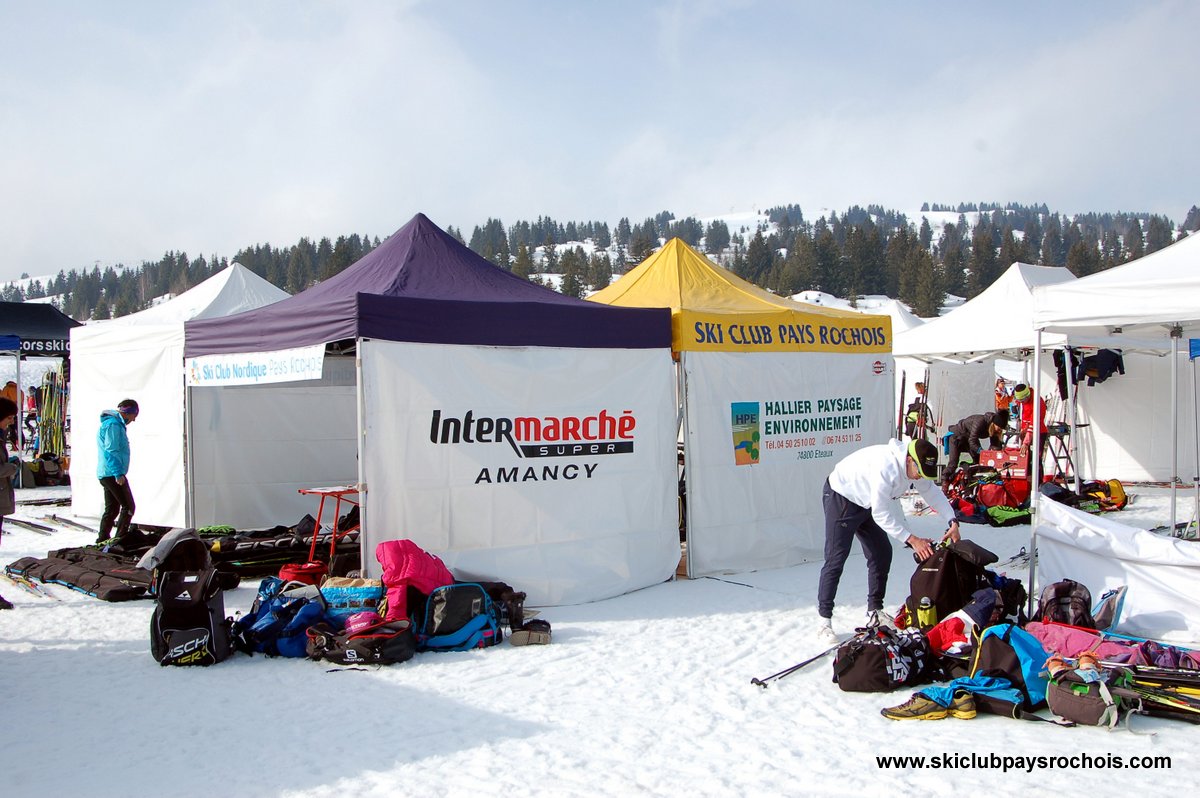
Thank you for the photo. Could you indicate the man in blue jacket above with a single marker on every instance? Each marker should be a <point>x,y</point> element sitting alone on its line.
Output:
<point>112,467</point>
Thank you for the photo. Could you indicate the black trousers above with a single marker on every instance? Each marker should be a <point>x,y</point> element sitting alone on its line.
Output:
<point>118,506</point>
<point>845,521</point>
<point>959,445</point>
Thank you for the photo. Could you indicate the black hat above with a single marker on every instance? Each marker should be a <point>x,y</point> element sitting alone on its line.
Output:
<point>926,455</point>
<point>1000,419</point>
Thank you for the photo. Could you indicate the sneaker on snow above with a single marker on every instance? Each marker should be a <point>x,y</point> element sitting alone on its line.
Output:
<point>963,706</point>
<point>826,635</point>
<point>5,604</point>
<point>917,708</point>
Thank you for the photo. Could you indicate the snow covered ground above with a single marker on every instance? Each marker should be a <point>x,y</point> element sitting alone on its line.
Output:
<point>645,694</point>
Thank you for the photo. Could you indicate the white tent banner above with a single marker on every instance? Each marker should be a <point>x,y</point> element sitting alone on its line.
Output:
<point>1161,572</point>
<point>553,470</point>
<point>256,368</point>
<point>140,356</point>
<point>763,432</point>
<point>142,363</point>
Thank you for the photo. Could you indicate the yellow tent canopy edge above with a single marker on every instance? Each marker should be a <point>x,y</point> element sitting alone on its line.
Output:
<point>780,331</point>
<point>714,310</point>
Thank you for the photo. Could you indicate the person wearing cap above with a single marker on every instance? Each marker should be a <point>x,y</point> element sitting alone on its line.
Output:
<point>1023,400</point>
<point>965,437</point>
<point>8,470</point>
<point>112,468</point>
<point>860,499</point>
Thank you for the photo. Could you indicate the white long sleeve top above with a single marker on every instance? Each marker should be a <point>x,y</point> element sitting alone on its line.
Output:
<point>876,477</point>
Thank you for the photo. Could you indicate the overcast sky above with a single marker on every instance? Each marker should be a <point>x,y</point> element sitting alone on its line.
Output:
<point>131,128</point>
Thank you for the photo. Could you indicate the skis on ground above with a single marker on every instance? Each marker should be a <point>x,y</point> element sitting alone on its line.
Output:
<point>44,502</point>
<point>58,519</point>
<point>29,586</point>
<point>32,526</point>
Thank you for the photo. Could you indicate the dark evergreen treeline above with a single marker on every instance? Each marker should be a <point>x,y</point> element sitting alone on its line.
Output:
<point>872,250</point>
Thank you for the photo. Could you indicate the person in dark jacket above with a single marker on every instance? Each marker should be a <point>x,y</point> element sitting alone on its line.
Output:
<point>8,496</point>
<point>965,437</point>
<point>112,469</point>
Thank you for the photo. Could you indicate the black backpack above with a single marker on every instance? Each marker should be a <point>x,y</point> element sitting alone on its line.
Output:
<point>948,579</point>
<point>189,626</point>
<point>1066,601</point>
<point>457,617</point>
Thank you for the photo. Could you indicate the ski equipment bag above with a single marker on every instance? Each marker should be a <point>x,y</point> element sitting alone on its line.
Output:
<point>276,623</point>
<point>384,643</point>
<point>1088,703</point>
<point>189,626</point>
<point>948,579</point>
<point>1066,601</point>
<point>878,659</point>
<point>458,617</point>
<point>345,597</point>
<point>1009,652</point>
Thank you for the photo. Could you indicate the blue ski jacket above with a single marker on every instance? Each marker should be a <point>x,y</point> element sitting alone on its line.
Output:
<point>113,443</point>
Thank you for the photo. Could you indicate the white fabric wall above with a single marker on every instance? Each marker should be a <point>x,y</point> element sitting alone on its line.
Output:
<point>1162,573</point>
<point>575,538</point>
<point>768,514</point>
<point>253,447</point>
<point>107,360</point>
<point>1128,436</point>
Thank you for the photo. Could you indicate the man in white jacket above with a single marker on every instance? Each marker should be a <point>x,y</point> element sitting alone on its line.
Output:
<point>861,501</point>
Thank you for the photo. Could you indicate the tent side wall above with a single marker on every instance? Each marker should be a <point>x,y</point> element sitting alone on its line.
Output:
<point>551,469</point>
<point>763,432</point>
<point>253,447</point>
<point>142,363</point>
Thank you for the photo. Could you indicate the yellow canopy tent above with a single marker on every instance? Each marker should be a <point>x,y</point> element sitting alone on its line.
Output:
<point>772,394</point>
<point>714,310</point>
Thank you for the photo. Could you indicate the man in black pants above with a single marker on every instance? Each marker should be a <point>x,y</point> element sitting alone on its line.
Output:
<point>965,437</point>
<point>861,501</point>
<point>112,468</point>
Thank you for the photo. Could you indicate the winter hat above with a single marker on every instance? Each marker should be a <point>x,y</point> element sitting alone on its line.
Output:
<point>1000,419</point>
<point>1022,392</point>
<point>926,456</point>
<point>362,620</point>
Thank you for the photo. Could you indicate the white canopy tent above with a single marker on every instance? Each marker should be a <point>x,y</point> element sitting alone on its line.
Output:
<point>140,356</point>
<point>998,323</point>
<point>1155,298</point>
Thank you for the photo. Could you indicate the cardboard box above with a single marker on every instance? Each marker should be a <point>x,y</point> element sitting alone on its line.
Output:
<point>1009,462</point>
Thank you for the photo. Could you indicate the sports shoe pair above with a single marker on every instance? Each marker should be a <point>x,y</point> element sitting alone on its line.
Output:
<point>921,708</point>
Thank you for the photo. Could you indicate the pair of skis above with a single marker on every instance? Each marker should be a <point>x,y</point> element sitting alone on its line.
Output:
<point>29,586</point>
<point>43,529</point>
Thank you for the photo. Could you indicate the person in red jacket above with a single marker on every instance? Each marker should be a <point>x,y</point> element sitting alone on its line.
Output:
<point>1023,402</point>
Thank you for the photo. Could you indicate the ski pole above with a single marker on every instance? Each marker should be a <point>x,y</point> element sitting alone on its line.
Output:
<point>789,671</point>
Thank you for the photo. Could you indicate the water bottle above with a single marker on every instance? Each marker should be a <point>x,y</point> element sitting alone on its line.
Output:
<point>926,613</point>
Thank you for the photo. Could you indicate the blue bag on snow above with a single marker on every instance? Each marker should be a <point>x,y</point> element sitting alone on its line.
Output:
<point>458,617</point>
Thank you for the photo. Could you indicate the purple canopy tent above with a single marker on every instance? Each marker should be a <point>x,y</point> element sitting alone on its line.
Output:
<point>422,285</point>
<point>252,446</point>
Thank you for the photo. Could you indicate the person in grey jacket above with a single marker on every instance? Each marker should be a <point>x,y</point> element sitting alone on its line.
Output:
<point>966,435</point>
<point>112,469</point>
<point>8,496</point>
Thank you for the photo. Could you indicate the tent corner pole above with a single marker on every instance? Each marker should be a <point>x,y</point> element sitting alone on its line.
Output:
<point>1035,470</point>
<point>1176,334</point>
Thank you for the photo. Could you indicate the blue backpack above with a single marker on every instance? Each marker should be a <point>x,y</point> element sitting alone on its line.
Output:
<point>458,617</point>
<point>277,622</point>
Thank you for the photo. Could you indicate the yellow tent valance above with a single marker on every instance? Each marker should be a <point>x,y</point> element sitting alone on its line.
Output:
<point>714,310</point>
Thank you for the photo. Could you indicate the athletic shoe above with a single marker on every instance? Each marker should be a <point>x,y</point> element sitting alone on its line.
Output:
<point>880,618</point>
<point>963,706</point>
<point>826,635</point>
<point>5,604</point>
<point>918,708</point>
